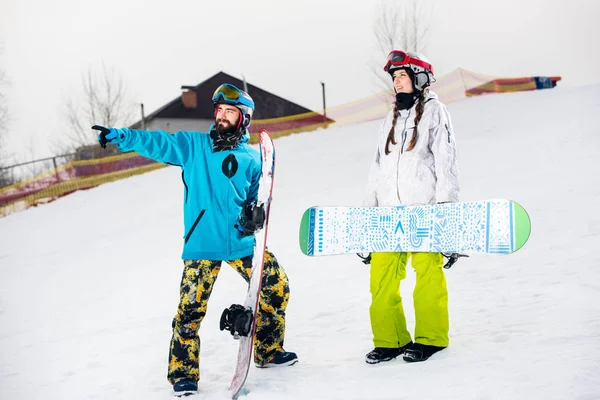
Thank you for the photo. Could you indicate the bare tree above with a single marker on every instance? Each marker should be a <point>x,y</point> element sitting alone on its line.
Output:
<point>399,25</point>
<point>103,101</point>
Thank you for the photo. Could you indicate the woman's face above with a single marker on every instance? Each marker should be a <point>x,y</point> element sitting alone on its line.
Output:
<point>402,82</point>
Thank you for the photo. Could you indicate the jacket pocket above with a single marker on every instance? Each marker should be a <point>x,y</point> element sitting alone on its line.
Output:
<point>187,236</point>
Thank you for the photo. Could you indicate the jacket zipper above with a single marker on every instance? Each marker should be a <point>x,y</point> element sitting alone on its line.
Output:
<point>399,154</point>
<point>227,219</point>
<point>187,237</point>
<point>404,133</point>
<point>185,185</point>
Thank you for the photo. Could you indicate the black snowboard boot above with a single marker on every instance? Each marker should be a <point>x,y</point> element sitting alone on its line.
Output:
<point>379,354</point>
<point>185,387</point>
<point>420,352</point>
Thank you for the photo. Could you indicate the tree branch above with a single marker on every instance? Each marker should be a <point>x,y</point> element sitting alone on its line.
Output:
<point>103,101</point>
<point>401,25</point>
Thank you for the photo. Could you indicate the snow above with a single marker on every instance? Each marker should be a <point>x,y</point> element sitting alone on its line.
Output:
<point>89,283</point>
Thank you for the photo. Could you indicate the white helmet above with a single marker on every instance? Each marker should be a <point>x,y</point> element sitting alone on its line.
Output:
<point>417,63</point>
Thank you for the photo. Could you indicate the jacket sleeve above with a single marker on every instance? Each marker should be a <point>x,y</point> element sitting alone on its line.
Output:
<point>256,174</point>
<point>370,197</point>
<point>443,148</point>
<point>160,146</point>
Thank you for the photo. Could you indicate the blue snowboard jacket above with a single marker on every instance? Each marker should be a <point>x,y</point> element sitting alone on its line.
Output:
<point>216,184</point>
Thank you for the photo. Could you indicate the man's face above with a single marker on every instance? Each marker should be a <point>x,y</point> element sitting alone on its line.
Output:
<point>226,118</point>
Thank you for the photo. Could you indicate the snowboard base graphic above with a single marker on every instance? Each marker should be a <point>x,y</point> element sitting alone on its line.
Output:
<point>496,226</point>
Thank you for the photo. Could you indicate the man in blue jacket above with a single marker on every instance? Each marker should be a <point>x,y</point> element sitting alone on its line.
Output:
<point>220,173</point>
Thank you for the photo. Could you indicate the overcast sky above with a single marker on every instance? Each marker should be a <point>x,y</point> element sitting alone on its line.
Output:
<point>285,47</point>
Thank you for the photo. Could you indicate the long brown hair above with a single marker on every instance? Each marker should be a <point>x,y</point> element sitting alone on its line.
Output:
<point>390,138</point>
<point>413,140</point>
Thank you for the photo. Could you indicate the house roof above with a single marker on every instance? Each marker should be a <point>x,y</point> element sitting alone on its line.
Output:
<point>268,105</point>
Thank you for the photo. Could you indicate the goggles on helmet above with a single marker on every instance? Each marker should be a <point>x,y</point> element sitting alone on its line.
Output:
<point>230,94</point>
<point>399,57</point>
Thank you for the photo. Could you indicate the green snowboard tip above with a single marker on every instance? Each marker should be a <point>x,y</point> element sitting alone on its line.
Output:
<point>303,238</point>
<point>522,225</point>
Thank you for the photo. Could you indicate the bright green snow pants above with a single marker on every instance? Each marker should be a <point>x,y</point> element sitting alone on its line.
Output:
<point>430,298</point>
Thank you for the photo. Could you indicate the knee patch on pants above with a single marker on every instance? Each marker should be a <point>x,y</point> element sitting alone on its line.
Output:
<point>185,330</point>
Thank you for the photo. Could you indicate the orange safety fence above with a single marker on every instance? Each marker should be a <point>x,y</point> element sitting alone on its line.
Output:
<point>506,85</point>
<point>70,177</point>
<point>77,175</point>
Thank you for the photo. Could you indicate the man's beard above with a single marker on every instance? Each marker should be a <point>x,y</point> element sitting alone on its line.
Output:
<point>225,137</point>
<point>226,129</point>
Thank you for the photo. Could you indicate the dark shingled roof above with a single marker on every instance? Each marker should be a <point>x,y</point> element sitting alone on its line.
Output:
<point>268,105</point>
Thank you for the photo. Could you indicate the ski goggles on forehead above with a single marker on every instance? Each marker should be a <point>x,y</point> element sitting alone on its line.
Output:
<point>227,93</point>
<point>398,57</point>
<point>232,95</point>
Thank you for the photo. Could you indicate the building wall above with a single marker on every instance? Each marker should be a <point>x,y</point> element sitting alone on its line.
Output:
<point>172,125</point>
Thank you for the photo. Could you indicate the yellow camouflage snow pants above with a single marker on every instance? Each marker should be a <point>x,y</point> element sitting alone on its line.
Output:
<point>197,283</point>
<point>430,298</point>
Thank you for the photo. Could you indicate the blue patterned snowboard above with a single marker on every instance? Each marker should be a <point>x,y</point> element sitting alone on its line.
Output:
<point>489,226</point>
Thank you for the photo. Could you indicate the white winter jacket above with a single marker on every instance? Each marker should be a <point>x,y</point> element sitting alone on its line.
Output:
<point>425,175</point>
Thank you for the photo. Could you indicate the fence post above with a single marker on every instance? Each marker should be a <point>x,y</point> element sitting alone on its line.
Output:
<point>56,170</point>
<point>143,117</point>
<point>324,106</point>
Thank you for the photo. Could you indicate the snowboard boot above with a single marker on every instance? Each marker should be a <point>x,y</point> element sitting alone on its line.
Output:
<point>281,359</point>
<point>420,352</point>
<point>379,354</point>
<point>185,387</point>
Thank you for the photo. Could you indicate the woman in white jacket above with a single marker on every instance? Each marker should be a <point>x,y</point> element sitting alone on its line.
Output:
<point>415,163</point>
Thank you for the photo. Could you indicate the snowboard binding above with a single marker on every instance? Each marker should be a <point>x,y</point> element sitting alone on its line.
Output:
<point>452,258</point>
<point>237,319</point>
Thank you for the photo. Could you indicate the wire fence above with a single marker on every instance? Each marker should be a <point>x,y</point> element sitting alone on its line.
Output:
<point>15,173</point>
<point>40,181</point>
<point>67,178</point>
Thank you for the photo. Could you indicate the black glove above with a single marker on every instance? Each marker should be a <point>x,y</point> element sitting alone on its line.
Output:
<point>365,259</point>
<point>106,135</point>
<point>252,219</point>
<point>452,258</point>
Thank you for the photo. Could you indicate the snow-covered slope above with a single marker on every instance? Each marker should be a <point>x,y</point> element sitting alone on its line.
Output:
<point>89,283</point>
